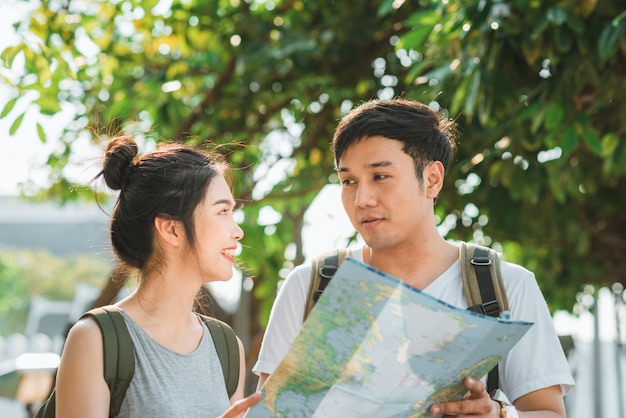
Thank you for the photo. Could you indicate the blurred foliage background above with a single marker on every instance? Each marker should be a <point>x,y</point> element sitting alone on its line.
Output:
<point>24,273</point>
<point>537,88</point>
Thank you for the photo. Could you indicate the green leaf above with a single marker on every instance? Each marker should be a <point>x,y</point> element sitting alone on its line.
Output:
<point>569,141</point>
<point>528,112</point>
<point>41,133</point>
<point>16,124</point>
<point>575,23</point>
<point>562,39</point>
<point>537,120</point>
<point>610,141</point>
<point>42,69</point>
<point>385,8</point>
<point>9,54</point>
<point>63,67</point>
<point>8,107</point>
<point>593,141</point>
<point>48,105</point>
<point>541,25</point>
<point>416,39</point>
<point>609,40</point>
<point>556,15</point>
<point>425,18</point>
<point>619,18</point>
<point>415,71</point>
<point>474,88</point>
<point>459,96</point>
<point>554,116</point>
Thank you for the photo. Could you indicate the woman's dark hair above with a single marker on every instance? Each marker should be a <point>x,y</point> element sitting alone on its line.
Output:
<point>426,136</point>
<point>168,182</point>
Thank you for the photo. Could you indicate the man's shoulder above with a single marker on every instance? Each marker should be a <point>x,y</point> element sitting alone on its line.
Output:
<point>302,272</point>
<point>342,252</point>
<point>513,271</point>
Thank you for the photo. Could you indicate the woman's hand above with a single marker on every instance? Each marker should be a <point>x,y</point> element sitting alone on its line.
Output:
<point>241,406</point>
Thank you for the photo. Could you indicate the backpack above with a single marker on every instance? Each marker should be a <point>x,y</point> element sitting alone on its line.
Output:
<point>480,271</point>
<point>119,357</point>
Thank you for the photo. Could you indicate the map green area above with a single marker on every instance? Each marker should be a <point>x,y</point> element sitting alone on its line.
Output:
<point>375,347</point>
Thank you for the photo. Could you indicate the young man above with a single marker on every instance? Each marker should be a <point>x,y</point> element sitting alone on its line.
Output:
<point>391,156</point>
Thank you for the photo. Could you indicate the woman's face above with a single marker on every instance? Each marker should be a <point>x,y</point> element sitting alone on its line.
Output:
<point>216,232</point>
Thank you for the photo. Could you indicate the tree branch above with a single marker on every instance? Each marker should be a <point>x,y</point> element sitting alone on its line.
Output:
<point>208,101</point>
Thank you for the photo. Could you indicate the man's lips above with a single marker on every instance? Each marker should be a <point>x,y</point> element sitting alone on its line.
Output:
<point>370,222</point>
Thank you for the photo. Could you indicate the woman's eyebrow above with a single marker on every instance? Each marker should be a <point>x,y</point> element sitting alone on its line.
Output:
<point>229,202</point>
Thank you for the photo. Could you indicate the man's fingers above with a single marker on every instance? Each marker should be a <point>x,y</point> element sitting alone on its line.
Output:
<point>476,387</point>
<point>475,401</point>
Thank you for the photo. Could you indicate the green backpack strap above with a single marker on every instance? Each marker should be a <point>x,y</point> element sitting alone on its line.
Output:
<point>323,267</point>
<point>119,353</point>
<point>227,348</point>
<point>119,359</point>
<point>483,288</point>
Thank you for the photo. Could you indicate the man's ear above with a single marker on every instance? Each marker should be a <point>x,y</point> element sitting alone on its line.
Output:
<point>169,230</point>
<point>433,176</point>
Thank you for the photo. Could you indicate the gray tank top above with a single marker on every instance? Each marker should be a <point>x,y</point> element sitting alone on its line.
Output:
<point>168,384</point>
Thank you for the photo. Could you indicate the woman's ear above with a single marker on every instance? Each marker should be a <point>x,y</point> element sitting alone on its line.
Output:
<point>169,230</point>
<point>433,175</point>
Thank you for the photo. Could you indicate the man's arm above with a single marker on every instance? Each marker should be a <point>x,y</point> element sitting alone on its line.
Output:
<point>286,319</point>
<point>547,402</point>
<point>544,403</point>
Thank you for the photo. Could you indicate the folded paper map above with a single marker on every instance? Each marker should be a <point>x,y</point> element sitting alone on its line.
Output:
<point>374,346</point>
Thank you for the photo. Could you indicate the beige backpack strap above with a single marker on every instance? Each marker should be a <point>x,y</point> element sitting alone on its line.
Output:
<point>483,288</point>
<point>482,279</point>
<point>323,267</point>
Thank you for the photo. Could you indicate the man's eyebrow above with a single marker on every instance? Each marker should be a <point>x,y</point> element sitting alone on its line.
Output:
<point>380,164</point>
<point>376,164</point>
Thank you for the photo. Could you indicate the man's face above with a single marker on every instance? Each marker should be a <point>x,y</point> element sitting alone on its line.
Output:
<point>381,194</point>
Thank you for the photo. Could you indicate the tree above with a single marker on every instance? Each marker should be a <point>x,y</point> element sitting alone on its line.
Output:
<point>266,82</point>
<point>534,85</point>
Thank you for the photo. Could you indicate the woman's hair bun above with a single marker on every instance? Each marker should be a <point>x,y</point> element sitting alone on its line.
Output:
<point>118,161</point>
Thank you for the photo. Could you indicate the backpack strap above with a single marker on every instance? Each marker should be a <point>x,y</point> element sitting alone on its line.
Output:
<point>227,348</point>
<point>482,280</point>
<point>119,359</point>
<point>323,267</point>
<point>483,288</point>
<point>119,353</point>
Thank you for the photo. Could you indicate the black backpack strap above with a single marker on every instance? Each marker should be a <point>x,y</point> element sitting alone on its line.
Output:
<point>483,288</point>
<point>323,268</point>
<point>119,353</point>
<point>227,348</point>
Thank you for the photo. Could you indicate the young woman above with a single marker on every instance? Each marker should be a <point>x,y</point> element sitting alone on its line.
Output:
<point>173,222</point>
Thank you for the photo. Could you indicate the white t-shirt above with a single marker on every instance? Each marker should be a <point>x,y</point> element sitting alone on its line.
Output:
<point>537,361</point>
